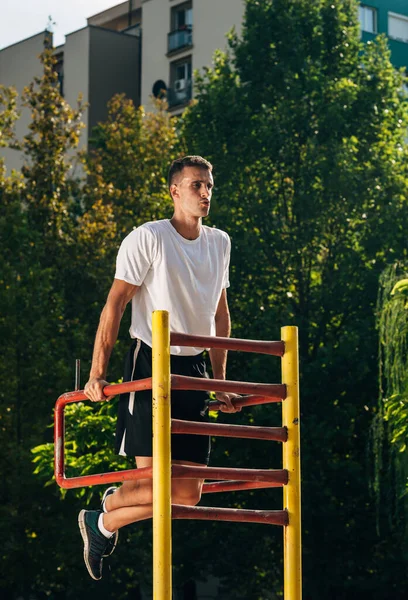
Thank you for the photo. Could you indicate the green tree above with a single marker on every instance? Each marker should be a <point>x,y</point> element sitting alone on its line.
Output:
<point>128,162</point>
<point>126,170</point>
<point>305,127</point>
<point>8,115</point>
<point>109,208</point>
<point>390,429</point>
<point>37,211</point>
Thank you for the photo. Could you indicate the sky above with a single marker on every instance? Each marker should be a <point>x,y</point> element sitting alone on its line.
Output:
<point>20,19</point>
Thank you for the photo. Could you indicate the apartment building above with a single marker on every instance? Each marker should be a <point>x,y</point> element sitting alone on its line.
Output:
<point>138,47</point>
<point>389,17</point>
<point>18,66</point>
<point>95,62</point>
<point>180,36</point>
<point>144,47</point>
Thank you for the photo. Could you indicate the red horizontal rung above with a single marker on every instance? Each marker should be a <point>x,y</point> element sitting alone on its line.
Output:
<point>204,341</point>
<point>279,476</point>
<point>279,434</point>
<point>104,478</point>
<point>272,390</point>
<point>235,486</point>
<point>270,477</point>
<point>271,517</point>
<point>108,390</point>
<point>243,401</point>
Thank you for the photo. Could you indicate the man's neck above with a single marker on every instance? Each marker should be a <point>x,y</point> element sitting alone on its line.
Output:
<point>190,229</point>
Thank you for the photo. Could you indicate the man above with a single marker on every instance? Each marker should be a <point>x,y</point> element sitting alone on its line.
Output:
<point>181,266</point>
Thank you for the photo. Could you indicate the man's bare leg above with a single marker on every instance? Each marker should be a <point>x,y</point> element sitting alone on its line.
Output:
<point>133,500</point>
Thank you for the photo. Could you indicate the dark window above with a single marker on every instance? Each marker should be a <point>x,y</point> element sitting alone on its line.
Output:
<point>59,68</point>
<point>182,16</point>
<point>180,91</point>
<point>181,34</point>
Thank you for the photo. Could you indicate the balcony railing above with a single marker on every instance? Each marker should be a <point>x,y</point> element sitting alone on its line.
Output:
<point>177,97</point>
<point>181,38</point>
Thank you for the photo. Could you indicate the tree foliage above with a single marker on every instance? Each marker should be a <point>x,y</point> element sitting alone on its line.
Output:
<point>59,240</point>
<point>390,428</point>
<point>128,163</point>
<point>306,128</point>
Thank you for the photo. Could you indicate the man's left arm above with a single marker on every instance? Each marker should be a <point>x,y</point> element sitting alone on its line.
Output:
<point>219,357</point>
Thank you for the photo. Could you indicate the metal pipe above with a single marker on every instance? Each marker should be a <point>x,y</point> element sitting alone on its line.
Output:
<point>278,434</point>
<point>77,374</point>
<point>241,402</point>
<point>204,341</point>
<point>267,392</point>
<point>109,391</point>
<point>102,478</point>
<point>130,10</point>
<point>279,476</point>
<point>270,517</point>
<point>161,456</point>
<point>236,486</point>
<point>272,390</point>
<point>291,461</point>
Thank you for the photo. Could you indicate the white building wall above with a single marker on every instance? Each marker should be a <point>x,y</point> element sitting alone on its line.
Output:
<point>212,20</point>
<point>19,64</point>
<point>155,28</point>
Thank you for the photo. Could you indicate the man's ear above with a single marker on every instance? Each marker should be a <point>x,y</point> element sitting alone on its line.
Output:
<point>173,190</point>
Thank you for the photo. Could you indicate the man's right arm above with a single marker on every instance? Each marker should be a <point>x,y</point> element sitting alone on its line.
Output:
<point>120,294</point>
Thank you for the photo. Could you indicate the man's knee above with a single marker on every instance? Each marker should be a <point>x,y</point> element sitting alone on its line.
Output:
<point>187,495</point>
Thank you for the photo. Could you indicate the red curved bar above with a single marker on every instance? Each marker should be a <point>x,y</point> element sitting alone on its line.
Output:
<point>270,517</point>
<point>235,486</point>
<point>279,476</point>
<point>108,390</point>
<point>278,434</point>
<point>272,390</point>
<point>59,437</point>
<point>59,429</point>
<point>104,478</point>
<point>204,341</point>
<point>251,400</point>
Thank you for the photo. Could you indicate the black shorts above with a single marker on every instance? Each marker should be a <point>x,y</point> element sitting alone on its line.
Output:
<point>134,425</point>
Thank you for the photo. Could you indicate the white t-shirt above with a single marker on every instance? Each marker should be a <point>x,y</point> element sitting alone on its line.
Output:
<point>184,277</point>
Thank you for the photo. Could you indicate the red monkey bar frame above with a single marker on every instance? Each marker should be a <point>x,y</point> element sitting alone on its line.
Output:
<point>231,479</point>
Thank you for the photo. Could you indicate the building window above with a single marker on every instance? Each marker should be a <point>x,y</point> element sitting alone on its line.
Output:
<point>59,68</point>
<point>368,18</point>
<point>398,27</point>
<point>182,16</point>
<point>180,91</point>
<point>181,34</point>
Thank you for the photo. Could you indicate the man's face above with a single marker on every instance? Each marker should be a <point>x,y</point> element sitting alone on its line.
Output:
<point>191,191</point>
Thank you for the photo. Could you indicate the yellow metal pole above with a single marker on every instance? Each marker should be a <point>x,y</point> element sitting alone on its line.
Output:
<point>161,456</point>
<point>291,462</point>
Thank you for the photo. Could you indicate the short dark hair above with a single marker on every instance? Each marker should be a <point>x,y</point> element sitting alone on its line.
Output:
<point>188,161</point>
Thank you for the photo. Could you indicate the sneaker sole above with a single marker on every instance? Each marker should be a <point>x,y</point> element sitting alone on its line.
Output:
<point>82,529</point>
